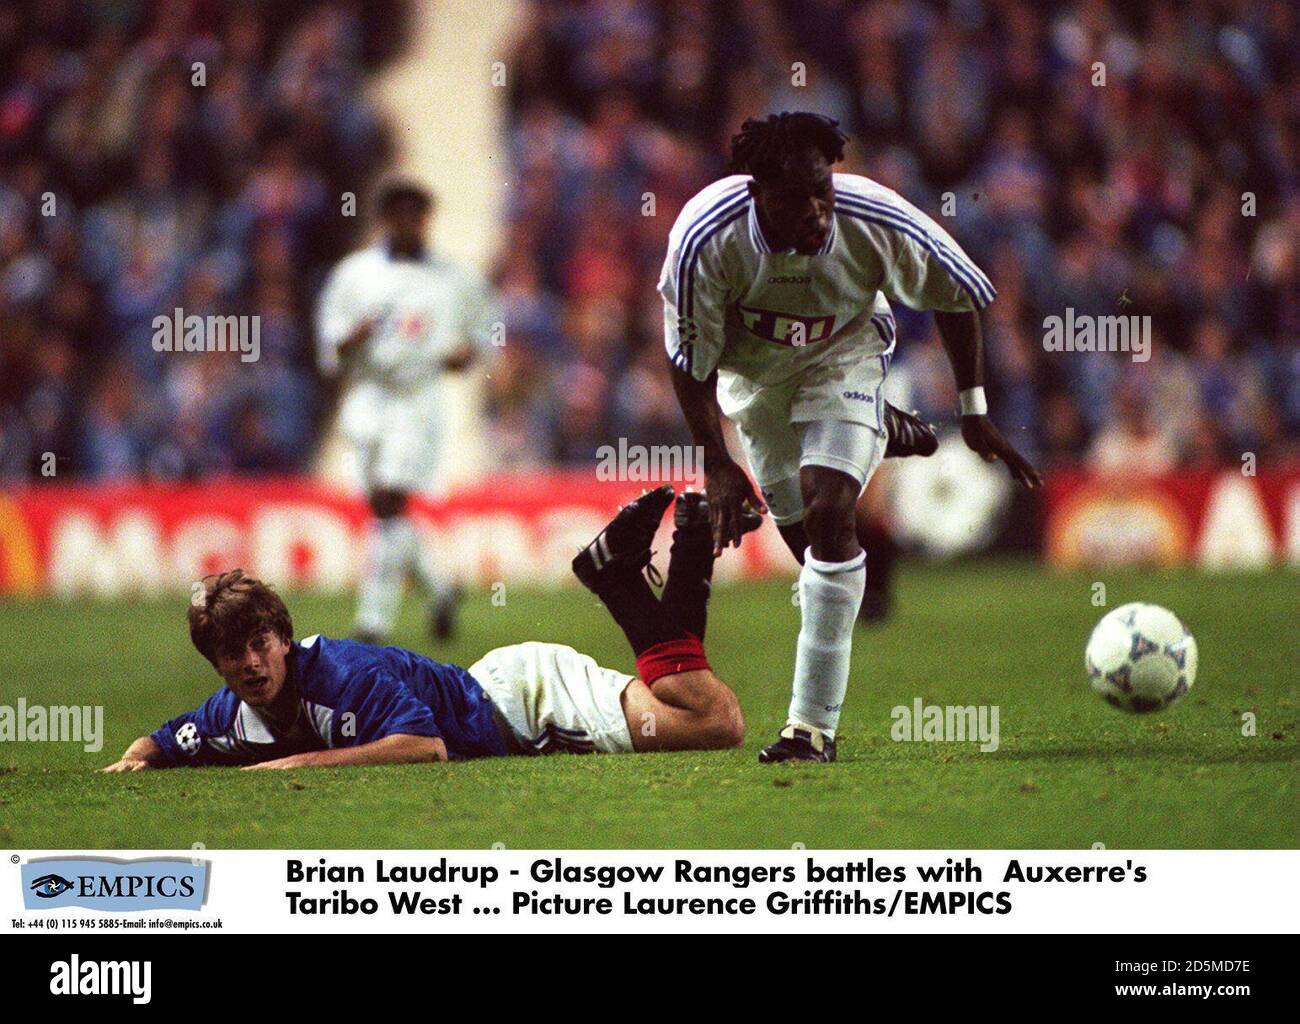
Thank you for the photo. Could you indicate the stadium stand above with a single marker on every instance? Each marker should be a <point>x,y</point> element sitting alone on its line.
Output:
<point>127,190</point>
<point>1126,198</point>
<point>1122,198</point>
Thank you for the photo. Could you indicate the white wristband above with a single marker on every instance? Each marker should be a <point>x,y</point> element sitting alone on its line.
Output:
<point>973,402</point>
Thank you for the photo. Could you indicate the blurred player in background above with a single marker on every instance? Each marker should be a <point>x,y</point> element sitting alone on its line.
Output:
<point>776,288</point>
<point>392,319</point>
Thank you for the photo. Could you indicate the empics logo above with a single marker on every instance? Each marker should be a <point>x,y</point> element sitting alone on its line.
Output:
<point>77,977</point>
<point>48,886</point>
<point>102,883</point>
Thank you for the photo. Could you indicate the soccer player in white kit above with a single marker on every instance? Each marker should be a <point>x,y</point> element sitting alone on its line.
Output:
<point>777,290</point>
<point>392,319</point>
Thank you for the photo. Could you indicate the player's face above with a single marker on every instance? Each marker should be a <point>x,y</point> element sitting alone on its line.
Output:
<point>797,211</point>
<point>257,673</point>
<point>406,224</point>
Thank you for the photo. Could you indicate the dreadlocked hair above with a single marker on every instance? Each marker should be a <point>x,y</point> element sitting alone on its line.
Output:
<point>767,147</point>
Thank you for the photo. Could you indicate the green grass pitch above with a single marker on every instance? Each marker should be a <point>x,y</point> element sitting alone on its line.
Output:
<point>1070,771</point>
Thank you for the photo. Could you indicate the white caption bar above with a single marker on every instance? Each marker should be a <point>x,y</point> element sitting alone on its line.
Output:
<point>901,891</point>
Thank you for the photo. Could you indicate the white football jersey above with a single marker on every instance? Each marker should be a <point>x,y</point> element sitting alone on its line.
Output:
<point>428,308</point>
<point>764,318</point>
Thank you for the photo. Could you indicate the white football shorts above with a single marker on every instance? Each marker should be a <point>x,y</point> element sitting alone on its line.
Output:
<point>394,437</point>
<point>555,699</point>
<point>829,420</point>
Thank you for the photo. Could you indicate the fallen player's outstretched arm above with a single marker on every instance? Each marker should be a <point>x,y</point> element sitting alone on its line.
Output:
<point>143,753</point>
<point>399,748</point>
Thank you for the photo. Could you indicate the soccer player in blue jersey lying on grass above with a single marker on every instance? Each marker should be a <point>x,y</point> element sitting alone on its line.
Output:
<point>321,701</point>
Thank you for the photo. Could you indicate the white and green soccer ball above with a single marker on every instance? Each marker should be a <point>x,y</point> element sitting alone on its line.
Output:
<point>1141,658</point>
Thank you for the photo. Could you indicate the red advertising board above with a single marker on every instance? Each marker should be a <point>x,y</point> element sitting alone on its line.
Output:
<point>110,541</point>
<point>1216,519</point>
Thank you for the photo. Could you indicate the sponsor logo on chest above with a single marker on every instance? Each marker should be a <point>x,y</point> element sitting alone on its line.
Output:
<point>783,328</point>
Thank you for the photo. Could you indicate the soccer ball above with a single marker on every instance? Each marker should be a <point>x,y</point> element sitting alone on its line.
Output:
<point>1141,658</point>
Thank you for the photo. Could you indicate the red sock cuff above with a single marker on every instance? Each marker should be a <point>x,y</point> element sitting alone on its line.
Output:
<point>669,657</point>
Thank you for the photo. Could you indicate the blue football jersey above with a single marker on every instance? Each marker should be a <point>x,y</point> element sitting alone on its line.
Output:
<point>349,694</point>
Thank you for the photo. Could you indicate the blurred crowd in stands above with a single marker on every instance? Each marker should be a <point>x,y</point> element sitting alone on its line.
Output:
<point>160,155</point>
<point>1117,199</point>
<point>1171,191</point>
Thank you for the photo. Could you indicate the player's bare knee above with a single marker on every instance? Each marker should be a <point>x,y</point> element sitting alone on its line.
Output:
<point>732,729</point>
<point>725,721</point>
<point>830,526</point>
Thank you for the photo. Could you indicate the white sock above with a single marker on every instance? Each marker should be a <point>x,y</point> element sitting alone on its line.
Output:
<point>391,552</point>
<point>830,594</point>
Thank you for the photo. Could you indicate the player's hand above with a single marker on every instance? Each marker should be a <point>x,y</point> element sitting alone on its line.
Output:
<point>729,491</point>
<point>983,437</point>
<point>359,335</point>
<point>127,764</point>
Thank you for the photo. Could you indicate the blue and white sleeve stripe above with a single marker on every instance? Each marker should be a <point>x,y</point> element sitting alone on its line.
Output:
<point>704,227</point>
<point>959,267</point>
<point>724,211</point>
